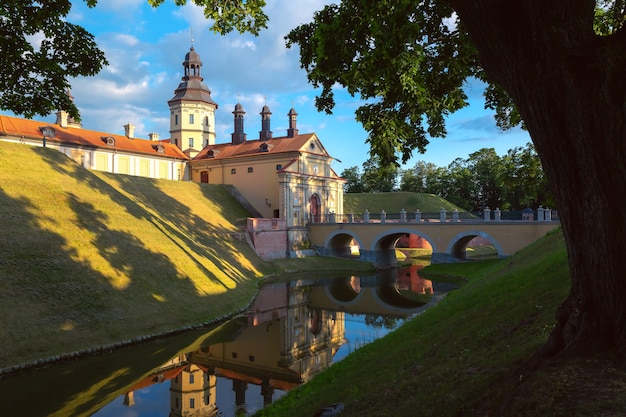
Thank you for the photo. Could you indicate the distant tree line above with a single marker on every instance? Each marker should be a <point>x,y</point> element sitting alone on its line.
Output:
<point>484,179</point>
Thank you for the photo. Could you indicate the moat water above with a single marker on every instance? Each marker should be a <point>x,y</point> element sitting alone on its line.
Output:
<point>292,331</point>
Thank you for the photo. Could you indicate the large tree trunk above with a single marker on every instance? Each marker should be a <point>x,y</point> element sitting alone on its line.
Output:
<point>570,88</point>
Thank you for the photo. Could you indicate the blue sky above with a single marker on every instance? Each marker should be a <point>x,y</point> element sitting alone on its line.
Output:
<point>145,48</point>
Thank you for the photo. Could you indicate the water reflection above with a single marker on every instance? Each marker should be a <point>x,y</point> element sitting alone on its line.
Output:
<point>292,331</point>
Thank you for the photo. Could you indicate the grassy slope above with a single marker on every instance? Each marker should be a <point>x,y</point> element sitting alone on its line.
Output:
<point>395,202</point>
<point>469,355</point>
<point>89,258</point>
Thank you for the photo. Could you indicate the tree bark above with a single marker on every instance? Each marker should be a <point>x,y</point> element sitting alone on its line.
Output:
<point>570,88</point>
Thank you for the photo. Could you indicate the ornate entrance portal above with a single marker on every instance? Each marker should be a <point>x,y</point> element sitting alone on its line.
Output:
<point>315,208</point>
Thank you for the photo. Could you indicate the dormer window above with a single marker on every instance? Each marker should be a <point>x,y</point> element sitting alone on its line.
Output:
<point>312,145</point>
<point>159,148</point>
<point>47,131</point>
<point>210,153</point>
<point>109,140</point>
<point>264,147</point>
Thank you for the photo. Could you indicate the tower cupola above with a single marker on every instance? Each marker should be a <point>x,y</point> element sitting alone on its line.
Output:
<point>192,110</point>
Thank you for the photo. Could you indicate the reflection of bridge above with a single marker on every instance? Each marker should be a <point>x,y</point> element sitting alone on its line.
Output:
<point>376,295</point>
<point>449,239</point>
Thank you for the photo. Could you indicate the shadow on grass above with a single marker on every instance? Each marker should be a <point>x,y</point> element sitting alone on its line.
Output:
<point>55,301</point>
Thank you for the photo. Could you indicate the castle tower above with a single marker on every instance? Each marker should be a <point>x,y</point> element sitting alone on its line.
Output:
<point>238,135</point>
<point>265,133</point>
<point>292,132</point>
<point>192,110</point>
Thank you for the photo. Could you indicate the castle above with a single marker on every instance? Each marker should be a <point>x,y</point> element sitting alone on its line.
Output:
<point>286,178</point>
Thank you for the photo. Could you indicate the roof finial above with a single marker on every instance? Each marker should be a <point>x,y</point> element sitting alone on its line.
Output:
<point>191,32</point>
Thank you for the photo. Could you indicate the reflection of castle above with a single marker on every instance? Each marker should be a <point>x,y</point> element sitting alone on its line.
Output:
<point>193,393</point>
<point>283,344</point>
<point>291,332</point>
<point>279,344</point>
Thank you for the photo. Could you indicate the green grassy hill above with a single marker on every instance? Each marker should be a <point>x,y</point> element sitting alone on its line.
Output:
<point>395,202</point>
<point>88,257</point>
<point>472,354</point>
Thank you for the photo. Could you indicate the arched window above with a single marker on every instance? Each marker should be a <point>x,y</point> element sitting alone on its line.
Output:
<point>250,170</point>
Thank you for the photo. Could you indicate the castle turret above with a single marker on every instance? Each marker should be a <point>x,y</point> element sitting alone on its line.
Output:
<point>192,110</point>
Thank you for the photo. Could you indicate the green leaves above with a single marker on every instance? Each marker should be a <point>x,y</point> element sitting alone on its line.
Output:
<point>34,76</point>
<point>229,15</point>
<point>407,62</point>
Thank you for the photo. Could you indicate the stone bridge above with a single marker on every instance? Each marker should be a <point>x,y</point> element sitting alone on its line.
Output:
<point>448,238</point>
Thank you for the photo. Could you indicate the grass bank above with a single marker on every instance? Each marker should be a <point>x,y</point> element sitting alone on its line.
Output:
<point>469,355</point>
<point>394,202</point>
<point>89,258</point>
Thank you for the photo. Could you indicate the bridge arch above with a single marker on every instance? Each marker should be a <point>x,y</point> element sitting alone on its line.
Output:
<point>384,244</point>
<point>458,244</point>
<point>339,242</point>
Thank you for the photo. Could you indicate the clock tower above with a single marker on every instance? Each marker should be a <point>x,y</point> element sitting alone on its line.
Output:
<point>192,110</point>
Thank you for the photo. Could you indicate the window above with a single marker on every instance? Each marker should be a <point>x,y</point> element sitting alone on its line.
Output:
<point>109,140</point>
<point>234,354</point>
<point>211,153</point>
<point>176,120</point>
<point>251,358</point>
<point>206,121</point>
<point>279,167</point>
<point>191,119</point>
<point>192,403</point>
<point>191,142</point>
<point>233,171</point>
<point>250,170</point>
<point>264,147</point>
<point>191,378</point>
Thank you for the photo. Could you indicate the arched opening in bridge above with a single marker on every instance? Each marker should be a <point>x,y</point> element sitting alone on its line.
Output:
<point>474,247</point>
<point>412,247</point>
<point>389,248</point>
<point>343,245</point>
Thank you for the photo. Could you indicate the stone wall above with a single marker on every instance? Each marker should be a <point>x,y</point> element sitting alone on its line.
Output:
<point>268,237</point>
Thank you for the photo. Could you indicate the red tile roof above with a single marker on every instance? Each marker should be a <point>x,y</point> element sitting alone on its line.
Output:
<point>251,147</point>
<point>31,129</point>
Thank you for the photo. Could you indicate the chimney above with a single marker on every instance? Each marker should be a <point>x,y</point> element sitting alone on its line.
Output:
<point>265,133</point>
<point>154,137</point>
<point>238,135</point>
<point>129,130</point>
<point>292,132</point>
<point>62,118</point>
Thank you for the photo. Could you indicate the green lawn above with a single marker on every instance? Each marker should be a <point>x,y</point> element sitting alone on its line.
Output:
<point>395,202</point>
